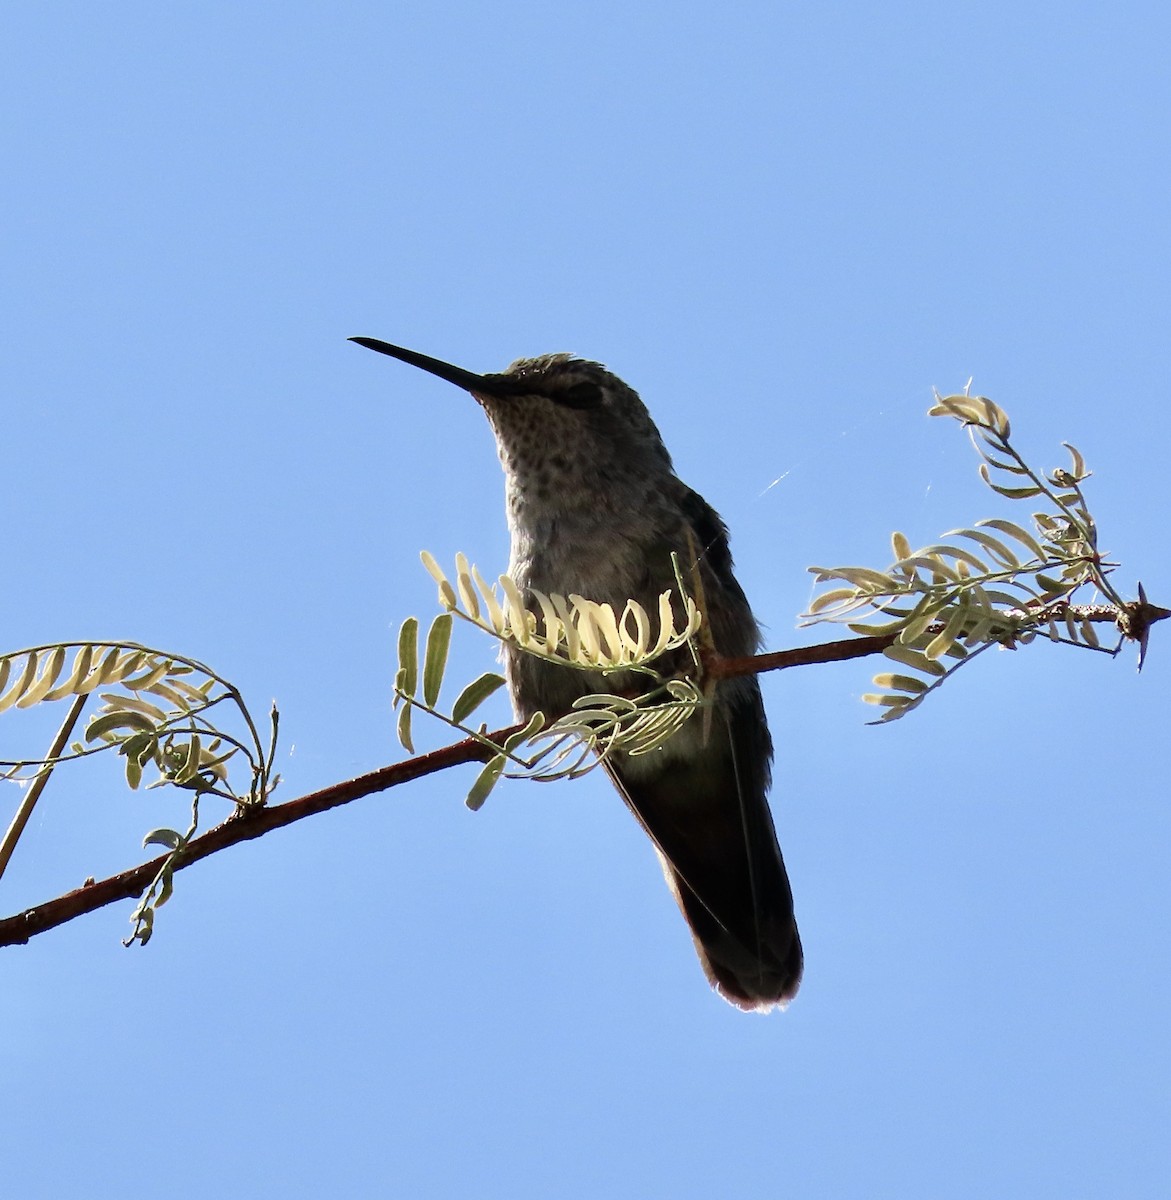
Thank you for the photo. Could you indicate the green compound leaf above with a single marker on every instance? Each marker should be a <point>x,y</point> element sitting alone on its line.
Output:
<point>485,782</point>
<point>408,657</point>
<point>435,657</point>
<point>110,723</point>
<point>404,728</point>
<point>474,695</point>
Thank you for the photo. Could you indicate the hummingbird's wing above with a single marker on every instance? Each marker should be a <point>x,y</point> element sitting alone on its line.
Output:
<point>702,799</point>
<point>704,807</point>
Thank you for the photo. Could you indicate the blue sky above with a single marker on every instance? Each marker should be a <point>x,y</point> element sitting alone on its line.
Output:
<point>783,224</point>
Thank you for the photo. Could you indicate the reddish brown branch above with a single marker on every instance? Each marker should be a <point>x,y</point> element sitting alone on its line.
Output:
<point>251,823</point>
<point>801,656</point>
<point>255,822</point>
<point>1133,622</point>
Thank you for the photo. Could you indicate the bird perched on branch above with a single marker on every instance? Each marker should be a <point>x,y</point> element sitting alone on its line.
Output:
<point>595,508</point>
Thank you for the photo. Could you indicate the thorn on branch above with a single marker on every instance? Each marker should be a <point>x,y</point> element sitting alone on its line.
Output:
<point>1135,619</point>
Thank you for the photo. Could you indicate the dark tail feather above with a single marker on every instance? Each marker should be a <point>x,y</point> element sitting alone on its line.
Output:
<point>756,978</point>
<point>705,807</point>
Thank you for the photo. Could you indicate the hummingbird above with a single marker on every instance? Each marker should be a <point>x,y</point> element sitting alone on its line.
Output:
<point>595,508</point>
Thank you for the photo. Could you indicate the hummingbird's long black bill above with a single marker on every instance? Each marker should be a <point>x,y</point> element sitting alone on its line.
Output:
<point>484,385</point>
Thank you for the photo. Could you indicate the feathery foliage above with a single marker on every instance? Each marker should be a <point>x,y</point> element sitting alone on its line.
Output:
<point>160,713</point>
<point>997,583</point>
<point>577,633</point>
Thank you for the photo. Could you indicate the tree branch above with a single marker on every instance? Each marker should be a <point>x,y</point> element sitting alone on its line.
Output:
<point>243,826</point>
<point>254,822</point>
<point>799,656</point>
<point>1133,621</point>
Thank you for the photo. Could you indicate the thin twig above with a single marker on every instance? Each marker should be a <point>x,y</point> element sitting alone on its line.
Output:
<point>8,845</point>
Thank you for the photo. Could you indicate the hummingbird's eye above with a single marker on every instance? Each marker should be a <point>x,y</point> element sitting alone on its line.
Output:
<point>579,395</point>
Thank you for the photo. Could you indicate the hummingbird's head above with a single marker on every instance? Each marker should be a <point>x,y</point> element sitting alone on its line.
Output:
<point>556,415</point>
